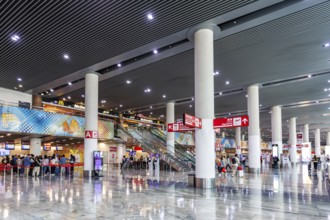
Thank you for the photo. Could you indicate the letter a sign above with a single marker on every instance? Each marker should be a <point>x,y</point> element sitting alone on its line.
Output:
<point>91,134</point>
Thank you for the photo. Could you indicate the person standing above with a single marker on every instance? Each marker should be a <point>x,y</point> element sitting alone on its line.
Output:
<point>26,164</point>
<point>62,164</point>
<point>36,168</point>
<point>72,161</point>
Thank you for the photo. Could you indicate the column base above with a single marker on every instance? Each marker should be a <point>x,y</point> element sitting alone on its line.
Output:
<point>254,170</point>
<point>205,183</point>
<point>87,173</point>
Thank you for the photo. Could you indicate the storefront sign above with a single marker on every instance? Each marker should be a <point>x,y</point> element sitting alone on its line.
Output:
<point>239,121</point>
<point>113,149</point>
<point>192,121</point>
<point>91,134</point>
<point>177,127</point>
<point>299,137</point>
<point>230,150</point>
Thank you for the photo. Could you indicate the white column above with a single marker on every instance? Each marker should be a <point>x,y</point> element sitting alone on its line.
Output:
<point>121,149</point>
<point>306,133</point>
<point>254,129</point>
<point>293,140</point>
<point>170,118</point>
<point>35,146</point>
<point>277,129</point>
<point>204,108</point>
<point>317,142</point>
<point>238,140</point>
<point>91,119</point>
<point>328,138</point>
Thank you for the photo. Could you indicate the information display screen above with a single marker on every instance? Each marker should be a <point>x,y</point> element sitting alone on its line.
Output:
<point>98,160</point>
<point>25,147</point>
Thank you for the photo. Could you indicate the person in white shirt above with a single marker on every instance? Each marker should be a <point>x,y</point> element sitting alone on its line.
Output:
<point>235,164</point>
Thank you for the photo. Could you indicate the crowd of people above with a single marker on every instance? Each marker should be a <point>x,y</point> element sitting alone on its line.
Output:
<point>226,164</point>
<point>34,166</point>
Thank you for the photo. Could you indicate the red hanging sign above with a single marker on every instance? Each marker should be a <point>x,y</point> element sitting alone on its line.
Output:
<point>239,121</point>
<point>192,121</point>
<point>177,127</point>
<point>91,134</point>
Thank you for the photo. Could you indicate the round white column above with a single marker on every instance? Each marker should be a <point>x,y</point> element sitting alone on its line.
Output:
<point>254,129</point>
<point>35,146</point>
<point>306,133</point>
<point>293,140</point>
<point>277,129</point>
<point>120,152</point>
<point>170,118</point>
<point>204,108</point>
<point>328,138</point>
<point>238,140</point>
<point>91,119</point>
<point>317,142</point>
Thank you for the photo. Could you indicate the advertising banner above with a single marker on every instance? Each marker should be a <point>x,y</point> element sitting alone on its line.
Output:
<point>299,137</point>
<point>185,139</point>
<point>231,122</point>
<point>32,121</point>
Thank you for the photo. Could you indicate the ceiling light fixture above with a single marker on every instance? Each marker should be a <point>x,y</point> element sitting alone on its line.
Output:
<point>15,87</point>
<point>150,106</point>
<point>66,56</point>
<point>70,83</point>
<point>103,101</point>
<point>83,95</point>
<point>69,97</point>
<point>325,90</point>
<point>128,81</point>
<point>227,82</point>
<point>19,79</point>
<point>15,38</point>
<point>64,99</point>
<point>52,90</point>
<point>309,76</point>
<point>148,90</point>
<point>192,98</point>
<point>20,85</point>
<point>220,93</point>
<point>216,73</point>
<point>120,106</point>
<point>326,45</point>
<point>155,51</point>
<point>190,106</point>
<point>119,64</point>
<point>150,16</point>
<point>164,96</point>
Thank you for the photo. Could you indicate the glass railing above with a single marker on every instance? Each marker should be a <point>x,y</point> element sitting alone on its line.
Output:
<point>179,149</point>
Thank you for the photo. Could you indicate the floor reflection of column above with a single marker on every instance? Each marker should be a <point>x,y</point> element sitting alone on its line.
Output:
<point>209,206</point>
<point>256,190</point>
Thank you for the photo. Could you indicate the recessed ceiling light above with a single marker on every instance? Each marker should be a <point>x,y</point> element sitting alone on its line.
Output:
<point>2,136</point>
<point>317,102</point>
<point>161,116</point>
<point>227,82</point>
<point>155,51</point>
<point>246,96</point>
<point>325,90</point>
<point>229,113</point>
<point>309,76</point>
<point>150,16</point>
<point>8,134</point>
<point>15,87</point>
<point>20,85</point>
<point>190,106</point>
<point>116,108</point>
<point>216,73</point>
<point>47,92</point>
<point>164,96</point>
<point>150,106</point>
<point>40,94</point>
<point>103,101</point>
<point>150,113</point>
<point>119,64</point>
<point>19,79</point>
<point>70,83</point>
<point>128,81</point>
<point>192,98</point>
<point>326,45</point>
<point>260,105</point>
<point>52,90</point>
<point>66,56</point>
<point>15,37</point>
<point>120,106</point>
<point>220,93</point>
<point>147,90</point>
<point>83,95</point>
<point>69,97</point>
<point>64,99</point>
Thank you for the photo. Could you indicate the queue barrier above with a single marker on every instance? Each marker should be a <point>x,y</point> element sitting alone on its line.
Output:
<point>7,167</point>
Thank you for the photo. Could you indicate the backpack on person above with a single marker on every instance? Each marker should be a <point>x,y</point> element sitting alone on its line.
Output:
<point>233,160</point>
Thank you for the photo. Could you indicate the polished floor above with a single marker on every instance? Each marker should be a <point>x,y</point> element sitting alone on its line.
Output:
<point>287,194</point>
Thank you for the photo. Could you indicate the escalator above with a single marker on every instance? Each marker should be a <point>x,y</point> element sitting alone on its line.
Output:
<point>152,144</point>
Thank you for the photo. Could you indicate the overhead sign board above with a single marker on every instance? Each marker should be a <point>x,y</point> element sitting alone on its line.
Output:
<point>299,137</point>
<point>91,134</point>
<point>231,122</point>
<point>177,127</point>
<point>192,121</point>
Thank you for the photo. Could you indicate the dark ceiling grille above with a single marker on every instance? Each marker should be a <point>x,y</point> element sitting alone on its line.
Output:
<point>89,31</point>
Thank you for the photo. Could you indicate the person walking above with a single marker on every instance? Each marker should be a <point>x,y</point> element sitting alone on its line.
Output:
<point>235,163</point>
<point>36,168</point>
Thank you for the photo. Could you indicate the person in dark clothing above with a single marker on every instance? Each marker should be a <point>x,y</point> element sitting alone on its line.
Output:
<point>72,160</point>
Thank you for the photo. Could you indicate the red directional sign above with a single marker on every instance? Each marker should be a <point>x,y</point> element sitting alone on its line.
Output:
<point>192,121</point>
<point>177,127</point>
<point>231,122</point>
